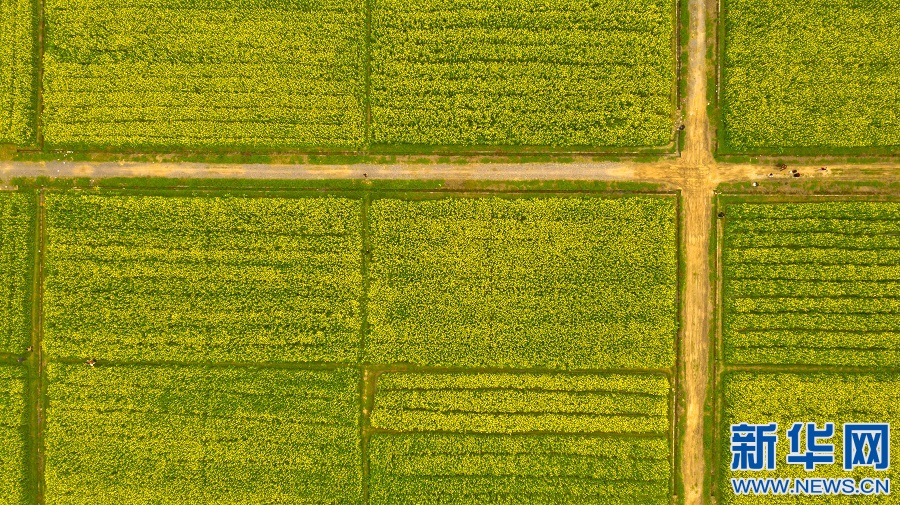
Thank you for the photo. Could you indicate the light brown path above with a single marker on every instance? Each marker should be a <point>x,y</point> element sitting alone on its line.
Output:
<point>695,173</point>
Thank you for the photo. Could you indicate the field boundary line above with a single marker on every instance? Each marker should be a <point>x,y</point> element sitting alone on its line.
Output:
<point>677,397</point>
<point>718,351</point>
<point>319,192</point>
<point>811,369</point>
<point>39,110</point>
<point>532,433</point>
<point>384,368</point>
<point>367,76</point>
<point>38,344</point>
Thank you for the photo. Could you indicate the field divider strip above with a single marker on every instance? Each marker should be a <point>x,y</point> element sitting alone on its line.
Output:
<point>37,314</point>
<point>213,364</point>
<point>802,369</point>
<point>667,372</point>
<point>39,110</point>
<point>367,379</point>
<point>367,76</point>
<point>590,434</point>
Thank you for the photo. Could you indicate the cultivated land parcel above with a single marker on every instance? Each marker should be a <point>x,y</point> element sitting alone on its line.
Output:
<point>809,325</point>
<point>340,75</point>
<point>253,348</point>
<point>812,77</point>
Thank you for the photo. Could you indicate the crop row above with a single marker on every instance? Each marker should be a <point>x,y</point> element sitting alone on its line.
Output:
<point>817,74</point>
<point>530,282</point>
<point>16,244</point>
<point>201,435</point>
<point>17,70</point>
<point>786,398</point>
<point>522,403</point>
<point>509,438</point>
<point>276,74</point>
<point>812,283</point>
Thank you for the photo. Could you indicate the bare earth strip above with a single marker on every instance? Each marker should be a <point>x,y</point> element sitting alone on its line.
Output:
<point>695,173</point>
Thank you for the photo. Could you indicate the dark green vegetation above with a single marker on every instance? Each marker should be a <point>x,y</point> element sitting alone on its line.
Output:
<point>171,434</point>
<point>17,72</point>
<point>786,398</point>
<point>204,74</point>
<point>812,283</point>
<point>520,438</point>
<point>533,282</point>
<point>16,246</point>
<point>552,72</point>
<point>203,279</point>
<point>12,435</point>
<point>815,74</point>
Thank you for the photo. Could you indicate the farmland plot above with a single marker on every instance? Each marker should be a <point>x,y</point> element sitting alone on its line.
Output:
<point>17,72</point>
<point>553,72</point>
<point>204,74</point>
<point>812,283</point>
<point>537,282</point>
<point>514,438</point>
<point>203,279</point>
<point>817,74</point>
<point>785,398</point>
<point>130,434</point>
<point>16,234</point>
<point>12,434</point>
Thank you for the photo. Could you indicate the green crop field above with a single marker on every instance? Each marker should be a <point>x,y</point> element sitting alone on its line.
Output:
<point>204,74</point>
<point>154,434</point>
<point>535,282</point>
<point>16,246</point>
<point>361,345</point>
<point>153,278</point>
<point>553,72</point>
<point>17,71</point>
<point>517,438</point>
<point>339,75</point>
<point>819,74</point>
<point>786,398</point>
<point>812,283</point>
<point>12,435</point>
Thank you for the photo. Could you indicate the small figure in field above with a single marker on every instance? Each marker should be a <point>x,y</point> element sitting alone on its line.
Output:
<point>29,348</point>
<point>721,215</point>
<point>796,174</point>
<point>782,167</point>
<point>755,184</point>
<point>20,359</point>
<point>681,128</point>
<point>365,175</point>
<point>91,362</point>
<point>771,175</point>
<point>823,169</point>
<point>794,171</point>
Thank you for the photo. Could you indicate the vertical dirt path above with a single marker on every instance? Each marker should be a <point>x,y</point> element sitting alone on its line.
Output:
<point>700,174</point>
